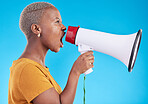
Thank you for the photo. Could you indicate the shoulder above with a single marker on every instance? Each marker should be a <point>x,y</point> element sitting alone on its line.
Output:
<point>23,69</point>
<point>23,65</point>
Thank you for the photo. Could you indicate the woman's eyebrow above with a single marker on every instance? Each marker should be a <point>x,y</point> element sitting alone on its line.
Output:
<point>57,18</point>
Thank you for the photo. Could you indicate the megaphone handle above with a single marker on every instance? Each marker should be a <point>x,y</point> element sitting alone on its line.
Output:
<point>88,71</point>
<point>82,49</point>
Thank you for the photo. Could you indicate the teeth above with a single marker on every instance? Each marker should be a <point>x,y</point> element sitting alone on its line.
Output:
<point>61,45</point>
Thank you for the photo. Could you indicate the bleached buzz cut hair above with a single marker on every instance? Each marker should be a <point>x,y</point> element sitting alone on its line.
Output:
<point>32,15</point>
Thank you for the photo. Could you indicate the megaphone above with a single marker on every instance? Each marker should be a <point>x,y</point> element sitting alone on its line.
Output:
<point>122,47</point>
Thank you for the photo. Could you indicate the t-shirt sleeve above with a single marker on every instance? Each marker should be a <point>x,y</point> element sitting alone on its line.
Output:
<point>33,82</point>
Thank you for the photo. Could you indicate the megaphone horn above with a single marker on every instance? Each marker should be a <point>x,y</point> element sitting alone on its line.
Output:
<point>122,47</point>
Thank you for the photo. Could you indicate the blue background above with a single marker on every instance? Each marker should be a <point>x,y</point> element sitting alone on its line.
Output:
<point>110,82</point>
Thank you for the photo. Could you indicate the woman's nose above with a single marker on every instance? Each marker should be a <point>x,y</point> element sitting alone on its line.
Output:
<point>63,27</point>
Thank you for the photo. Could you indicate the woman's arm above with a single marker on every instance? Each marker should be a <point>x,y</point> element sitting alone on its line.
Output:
<point>68,94</point>
<point>50,96</point>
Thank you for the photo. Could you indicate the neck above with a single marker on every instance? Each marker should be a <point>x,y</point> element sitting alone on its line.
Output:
<point>35,51</point>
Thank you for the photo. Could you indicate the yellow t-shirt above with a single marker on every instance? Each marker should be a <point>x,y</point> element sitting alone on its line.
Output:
<point>27,80</point>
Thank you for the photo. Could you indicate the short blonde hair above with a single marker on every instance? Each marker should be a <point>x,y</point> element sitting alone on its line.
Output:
<point>32,15</point>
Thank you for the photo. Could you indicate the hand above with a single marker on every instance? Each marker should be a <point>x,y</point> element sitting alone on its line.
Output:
<point>83,63</point>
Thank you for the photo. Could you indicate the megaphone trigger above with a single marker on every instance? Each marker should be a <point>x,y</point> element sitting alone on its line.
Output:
<point>84,48</point>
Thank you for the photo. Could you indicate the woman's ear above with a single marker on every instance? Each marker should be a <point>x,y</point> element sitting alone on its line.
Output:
<point>36,29</point>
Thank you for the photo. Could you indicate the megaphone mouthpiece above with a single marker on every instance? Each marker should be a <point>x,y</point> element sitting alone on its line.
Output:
<point>71,34</point>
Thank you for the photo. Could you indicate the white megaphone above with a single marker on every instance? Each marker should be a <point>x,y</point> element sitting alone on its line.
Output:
<point>122,47</point>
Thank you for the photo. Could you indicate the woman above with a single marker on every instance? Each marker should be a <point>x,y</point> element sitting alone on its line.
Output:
<point>30,80</point>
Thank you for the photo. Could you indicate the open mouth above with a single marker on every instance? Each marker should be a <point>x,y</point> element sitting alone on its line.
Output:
<point>61,45</point>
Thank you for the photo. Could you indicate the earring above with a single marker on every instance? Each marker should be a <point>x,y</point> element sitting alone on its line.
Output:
<point>38,35</point>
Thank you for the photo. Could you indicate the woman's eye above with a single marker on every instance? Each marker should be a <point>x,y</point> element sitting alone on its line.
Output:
<point>57,21</point>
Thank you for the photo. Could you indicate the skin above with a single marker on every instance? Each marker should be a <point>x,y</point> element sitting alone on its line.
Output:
<point>51,31</point>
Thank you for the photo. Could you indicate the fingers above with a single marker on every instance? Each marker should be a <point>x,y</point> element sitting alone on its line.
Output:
<point>91,61</point>
<point>88,53</point>
<point>90,65</point>
<point>84,62</point>
<point>90,57</point>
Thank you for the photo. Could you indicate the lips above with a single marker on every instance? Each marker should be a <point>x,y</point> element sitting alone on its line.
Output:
<point>61,44</point>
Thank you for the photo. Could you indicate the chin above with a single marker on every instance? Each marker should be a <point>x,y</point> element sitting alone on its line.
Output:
<point>56,50</point>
